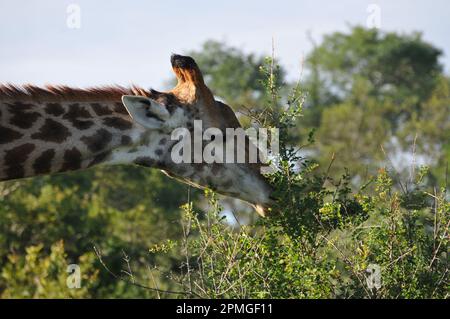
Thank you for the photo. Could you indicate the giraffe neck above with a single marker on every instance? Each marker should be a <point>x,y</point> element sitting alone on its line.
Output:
<point>39,137</point>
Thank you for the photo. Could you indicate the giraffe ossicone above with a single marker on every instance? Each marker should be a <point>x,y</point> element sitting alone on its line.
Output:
<point>57,129</point>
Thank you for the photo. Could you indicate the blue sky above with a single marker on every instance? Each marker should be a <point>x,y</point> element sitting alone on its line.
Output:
<point>123,42</point>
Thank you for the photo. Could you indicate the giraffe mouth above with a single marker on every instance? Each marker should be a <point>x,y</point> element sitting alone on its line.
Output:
<point>262,210</point>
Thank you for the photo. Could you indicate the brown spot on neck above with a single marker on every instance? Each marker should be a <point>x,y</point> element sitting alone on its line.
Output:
<point>100,109</point>
<point>98,141</point>
<point>100,157</point>
<point>15,159</point>
<point>120,108</point>
<point>22,114</point>
<point>52,131</point>
<point>77,115</point>
<point>8,135</point>
<point>118,123</point>
<point>43,163</point>
<point>76,111</point>
<point>72,160</point>
<point>54,109</point>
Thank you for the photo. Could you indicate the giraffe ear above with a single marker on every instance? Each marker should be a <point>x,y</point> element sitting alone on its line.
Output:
<point>145,111</point>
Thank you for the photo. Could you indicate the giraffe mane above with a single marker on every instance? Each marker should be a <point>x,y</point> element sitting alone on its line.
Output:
<point>58,93</point>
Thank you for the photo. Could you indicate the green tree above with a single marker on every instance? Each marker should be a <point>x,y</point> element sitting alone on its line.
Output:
<point>121,210</point>
<point>352,136</point>
<point>39,275</point>
<point>394,65</point>
<point>385,81</point>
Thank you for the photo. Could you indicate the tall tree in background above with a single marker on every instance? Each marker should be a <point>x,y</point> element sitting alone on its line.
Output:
<point>366,87</point>
<point>392,65</point>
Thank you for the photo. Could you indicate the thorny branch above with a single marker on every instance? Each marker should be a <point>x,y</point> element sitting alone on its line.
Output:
<point>134,283</point>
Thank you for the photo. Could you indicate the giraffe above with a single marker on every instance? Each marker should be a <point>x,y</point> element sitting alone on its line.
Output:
<point>58,129</point>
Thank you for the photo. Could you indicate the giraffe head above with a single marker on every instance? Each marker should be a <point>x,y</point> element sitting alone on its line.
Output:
<point>190,114</point>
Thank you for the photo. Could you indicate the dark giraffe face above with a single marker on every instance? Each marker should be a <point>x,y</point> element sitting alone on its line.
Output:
<point>189,114</point>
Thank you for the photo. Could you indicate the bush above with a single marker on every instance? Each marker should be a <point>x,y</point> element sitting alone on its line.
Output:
<point>322,240</point>
<point>37,275</point>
